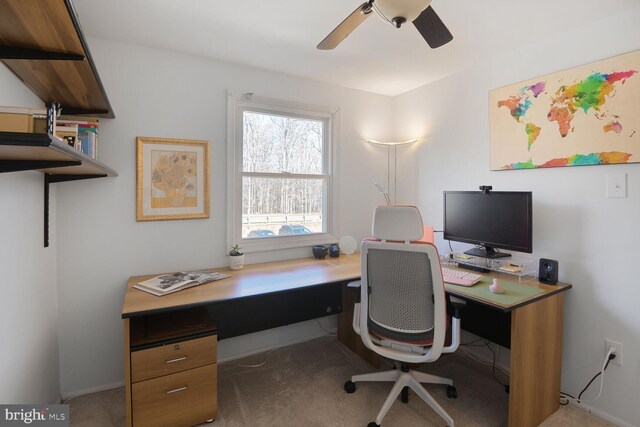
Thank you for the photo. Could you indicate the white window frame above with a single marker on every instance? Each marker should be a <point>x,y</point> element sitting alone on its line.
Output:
<point>237,104</point>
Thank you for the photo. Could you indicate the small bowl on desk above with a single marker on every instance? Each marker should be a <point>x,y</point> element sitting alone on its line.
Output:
<point>334,251</point>
<point>320,251</point>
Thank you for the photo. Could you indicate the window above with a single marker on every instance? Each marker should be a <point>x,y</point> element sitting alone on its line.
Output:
<point>280,173</point>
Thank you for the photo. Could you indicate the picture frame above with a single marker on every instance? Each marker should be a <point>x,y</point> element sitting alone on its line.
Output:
<point>581,116</point>
<point>172,179</point>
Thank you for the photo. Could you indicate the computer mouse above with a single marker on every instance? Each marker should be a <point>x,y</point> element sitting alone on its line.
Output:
<point>496,287</point>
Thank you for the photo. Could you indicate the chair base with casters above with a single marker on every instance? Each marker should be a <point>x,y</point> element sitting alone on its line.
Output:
<point>403,379</point>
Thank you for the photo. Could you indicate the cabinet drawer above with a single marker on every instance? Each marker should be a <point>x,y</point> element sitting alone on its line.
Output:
<point>171,358</point>
<point>183,399</point>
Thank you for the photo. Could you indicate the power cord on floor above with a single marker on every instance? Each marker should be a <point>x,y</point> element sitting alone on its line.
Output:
<point>567,397</point>
<point>332,333</point>
<point>493,364</point>
<point>493,367</point>
<point>473,343</point>
<point>257,365</point>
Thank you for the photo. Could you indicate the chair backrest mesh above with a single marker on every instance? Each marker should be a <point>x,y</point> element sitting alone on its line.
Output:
<point>401,290</point>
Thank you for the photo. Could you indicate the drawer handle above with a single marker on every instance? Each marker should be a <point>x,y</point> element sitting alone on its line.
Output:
<point>177,390</point>
<point>178,359</point>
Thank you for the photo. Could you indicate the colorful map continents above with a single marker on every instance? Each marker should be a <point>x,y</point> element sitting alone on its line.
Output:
<point>573,114</point>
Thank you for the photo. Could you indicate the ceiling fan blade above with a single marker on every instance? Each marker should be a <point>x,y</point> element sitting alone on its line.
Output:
<point>432,28</point>
<point>346,27</point>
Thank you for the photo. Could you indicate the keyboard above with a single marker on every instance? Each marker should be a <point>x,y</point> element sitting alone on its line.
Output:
<point>457,277</point>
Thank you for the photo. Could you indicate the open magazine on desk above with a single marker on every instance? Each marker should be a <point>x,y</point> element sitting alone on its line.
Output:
<point>174,282</point>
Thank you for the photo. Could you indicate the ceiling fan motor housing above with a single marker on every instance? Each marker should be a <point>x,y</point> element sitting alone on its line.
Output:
<point>397,13</point>
<point>395,10</point>
<point>398,21</point>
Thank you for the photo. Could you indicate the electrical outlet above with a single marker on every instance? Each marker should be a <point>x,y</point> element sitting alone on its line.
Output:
<point>607,345</point>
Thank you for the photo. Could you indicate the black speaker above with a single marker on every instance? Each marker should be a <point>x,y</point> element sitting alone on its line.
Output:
<point>548,272</point>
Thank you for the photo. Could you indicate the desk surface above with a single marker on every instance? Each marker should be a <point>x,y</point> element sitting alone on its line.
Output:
<point>252,280</point>
<point>257,279</point>
<point>494,301</point>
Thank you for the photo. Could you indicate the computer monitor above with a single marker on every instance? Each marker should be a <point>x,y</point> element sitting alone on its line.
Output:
<point>492,220</point>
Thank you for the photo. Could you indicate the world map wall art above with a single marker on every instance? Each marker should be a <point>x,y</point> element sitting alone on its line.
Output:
<point>587,115</point>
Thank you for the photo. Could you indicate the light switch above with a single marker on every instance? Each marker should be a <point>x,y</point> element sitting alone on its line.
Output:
<point>617,185</point>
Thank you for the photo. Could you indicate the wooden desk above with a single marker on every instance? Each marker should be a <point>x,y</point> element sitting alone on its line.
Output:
<point>258,297</point>
<point>535,341</point>
<point>536,324</point>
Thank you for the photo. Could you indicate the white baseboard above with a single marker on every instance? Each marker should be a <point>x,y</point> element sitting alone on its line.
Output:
<point>258,342</point>
<point>270,347</point>
<point>70,395</point>
<point>604,415</point>
<point>263,349</point>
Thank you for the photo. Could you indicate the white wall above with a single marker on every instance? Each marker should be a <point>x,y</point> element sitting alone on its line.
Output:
<point>158,93</point>
<point>164,94</point>
<point>28,297</point>
<point>595,239</point>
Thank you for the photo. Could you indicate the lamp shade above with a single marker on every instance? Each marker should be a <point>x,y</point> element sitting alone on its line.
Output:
<point>409,141</point>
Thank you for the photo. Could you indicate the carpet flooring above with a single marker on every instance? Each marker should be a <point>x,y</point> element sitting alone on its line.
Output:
<point>302,385</point>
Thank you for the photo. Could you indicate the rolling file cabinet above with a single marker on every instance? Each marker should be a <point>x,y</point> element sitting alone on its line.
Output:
<point>171,364</point>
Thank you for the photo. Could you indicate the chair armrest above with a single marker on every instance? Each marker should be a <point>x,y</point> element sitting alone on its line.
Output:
<point>355,287</point>
<point>356,318</point>
<point>457,303</point>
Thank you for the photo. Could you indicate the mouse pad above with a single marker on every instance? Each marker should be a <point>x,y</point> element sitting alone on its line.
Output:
<point>513,292</point>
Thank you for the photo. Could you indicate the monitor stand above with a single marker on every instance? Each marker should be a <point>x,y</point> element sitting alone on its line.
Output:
<point>487,252</point>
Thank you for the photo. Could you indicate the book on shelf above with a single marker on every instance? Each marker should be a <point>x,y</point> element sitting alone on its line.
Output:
<point>174,282</point>
<point>68,132</point>
<point>88,143</point>
<point>85,133</point>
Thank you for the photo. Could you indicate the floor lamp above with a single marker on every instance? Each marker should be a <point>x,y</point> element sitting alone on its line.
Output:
<point>391,145</point>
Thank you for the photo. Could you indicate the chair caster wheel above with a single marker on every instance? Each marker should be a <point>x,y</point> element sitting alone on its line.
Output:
<point>404,395</point>
<point>350,387</point>
<point>452,393</point>
<point>373,424</point>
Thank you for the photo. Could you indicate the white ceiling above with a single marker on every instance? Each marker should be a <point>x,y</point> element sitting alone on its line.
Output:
<point>281,35</point>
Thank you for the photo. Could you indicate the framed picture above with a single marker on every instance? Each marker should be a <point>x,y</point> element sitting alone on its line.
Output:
<point>172,179</point>
<point>587,115</point>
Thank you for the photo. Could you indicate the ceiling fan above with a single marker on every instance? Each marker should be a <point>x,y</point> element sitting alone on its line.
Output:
<point>396,12</point>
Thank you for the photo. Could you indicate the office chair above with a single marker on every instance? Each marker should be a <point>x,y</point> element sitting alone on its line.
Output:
<point>402,313</point>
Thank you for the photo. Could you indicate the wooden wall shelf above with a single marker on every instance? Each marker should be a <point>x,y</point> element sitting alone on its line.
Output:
<point>40,151</point>
<point>41,42</point>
